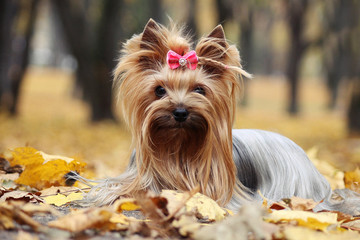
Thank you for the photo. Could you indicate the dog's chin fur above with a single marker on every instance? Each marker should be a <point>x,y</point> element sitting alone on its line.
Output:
<point>201,151</point>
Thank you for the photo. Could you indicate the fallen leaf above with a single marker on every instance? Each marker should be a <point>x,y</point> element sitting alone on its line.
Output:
<point>127,204</point>
<point>42,170</point>
<point>7,195</point>
<point>318,221</point>
<point>301,233</point>
<point>64,190</point>
<point>121,221</point>
<point>8,177</point>
<point>202,206</point>
<point>333,175</point>
<point>296,203</point>
<point>100,218</point>
<point>11,212</point>
<point>247,224</point>
<point>353,225</point>
<point>352,180</point>
<point>26,236</point>
<point>5,166</point>
<point>60,199</point>
<point>187,225</point>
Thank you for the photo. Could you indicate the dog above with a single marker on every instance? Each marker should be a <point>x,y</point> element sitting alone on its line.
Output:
<point>180,105</point>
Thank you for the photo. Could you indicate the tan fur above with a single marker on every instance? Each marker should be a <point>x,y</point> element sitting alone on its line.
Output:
<point>199,152</point>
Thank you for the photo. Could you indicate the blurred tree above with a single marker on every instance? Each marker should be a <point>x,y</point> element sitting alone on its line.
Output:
<point>342,54</point>
<point>354,108</point>
<point>191,21</point>
<point>93,30</point>
<point>92,38</point>
<point>242,12</point>
<point>296,10</point>
<point>339,26</point>
<point>17,20</point>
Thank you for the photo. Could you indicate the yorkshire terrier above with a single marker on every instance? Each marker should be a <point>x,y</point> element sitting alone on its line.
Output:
<point>180,105</point>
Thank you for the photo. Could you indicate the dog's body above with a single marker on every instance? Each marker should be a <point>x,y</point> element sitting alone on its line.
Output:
<point>180,107</point>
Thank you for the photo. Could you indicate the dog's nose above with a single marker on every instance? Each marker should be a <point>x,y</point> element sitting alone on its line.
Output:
<point>180,114</point>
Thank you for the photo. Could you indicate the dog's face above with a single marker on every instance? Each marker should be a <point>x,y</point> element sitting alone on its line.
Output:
<point>178,107</point>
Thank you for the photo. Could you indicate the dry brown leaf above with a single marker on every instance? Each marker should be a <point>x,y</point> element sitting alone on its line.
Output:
<point>99,218</point>
<point>247,224</point>
<point>187,225</point>
<point>8,195</point>
<point>11,212</point>
<point>64,190</point>
<point>353,225</point>
<point>8,177</point>
<point>7,168</point>
<point>202,206</point>
<point>26,236</point>
<point>296,203</point>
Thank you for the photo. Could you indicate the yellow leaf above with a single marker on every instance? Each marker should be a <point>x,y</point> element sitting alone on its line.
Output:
<point>48,158</point>
<point>127,204</point>
<point>26,156</point>
<point>206,207</point>
<point>43,170</point>
<point>352,180</point>
<point>120,219</point>
<point>334,176</point>
<point>317,221</point>
<point>301,233</point>
<point>60,199</point>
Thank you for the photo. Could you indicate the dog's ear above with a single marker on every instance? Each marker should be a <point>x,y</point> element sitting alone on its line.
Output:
<point>153,43</point>
<point>218,33</point>
<point>213,47</point>
<point>150,37</point>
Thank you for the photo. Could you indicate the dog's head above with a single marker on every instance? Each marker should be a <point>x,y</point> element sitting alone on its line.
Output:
<point>168,105</point>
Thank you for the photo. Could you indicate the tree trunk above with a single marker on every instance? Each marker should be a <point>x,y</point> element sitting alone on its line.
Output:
<point>296,10</point>
<point>354,110</point>
<point>14,48</point>
<point>91,51</point>
<point>21,55</point>
<point>8,11</point>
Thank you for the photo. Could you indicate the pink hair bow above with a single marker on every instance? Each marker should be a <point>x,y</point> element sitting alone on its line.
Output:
<point>174,60</point>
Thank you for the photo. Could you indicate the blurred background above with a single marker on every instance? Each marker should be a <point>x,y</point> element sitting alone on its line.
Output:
<point>56,59</point>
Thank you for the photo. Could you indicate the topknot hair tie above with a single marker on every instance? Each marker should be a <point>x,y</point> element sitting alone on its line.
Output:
<point>174,60</point>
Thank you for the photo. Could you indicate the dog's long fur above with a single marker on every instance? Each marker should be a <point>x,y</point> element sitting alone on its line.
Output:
<point>230,166</point>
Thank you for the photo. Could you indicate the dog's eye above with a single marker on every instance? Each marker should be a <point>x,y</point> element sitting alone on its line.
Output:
<point>199,90</point>
<point>160,91</point>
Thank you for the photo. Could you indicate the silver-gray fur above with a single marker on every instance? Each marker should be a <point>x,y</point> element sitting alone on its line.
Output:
<point>279,168</point>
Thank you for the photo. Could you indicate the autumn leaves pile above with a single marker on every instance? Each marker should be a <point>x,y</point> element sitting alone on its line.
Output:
<point>35,200</point>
